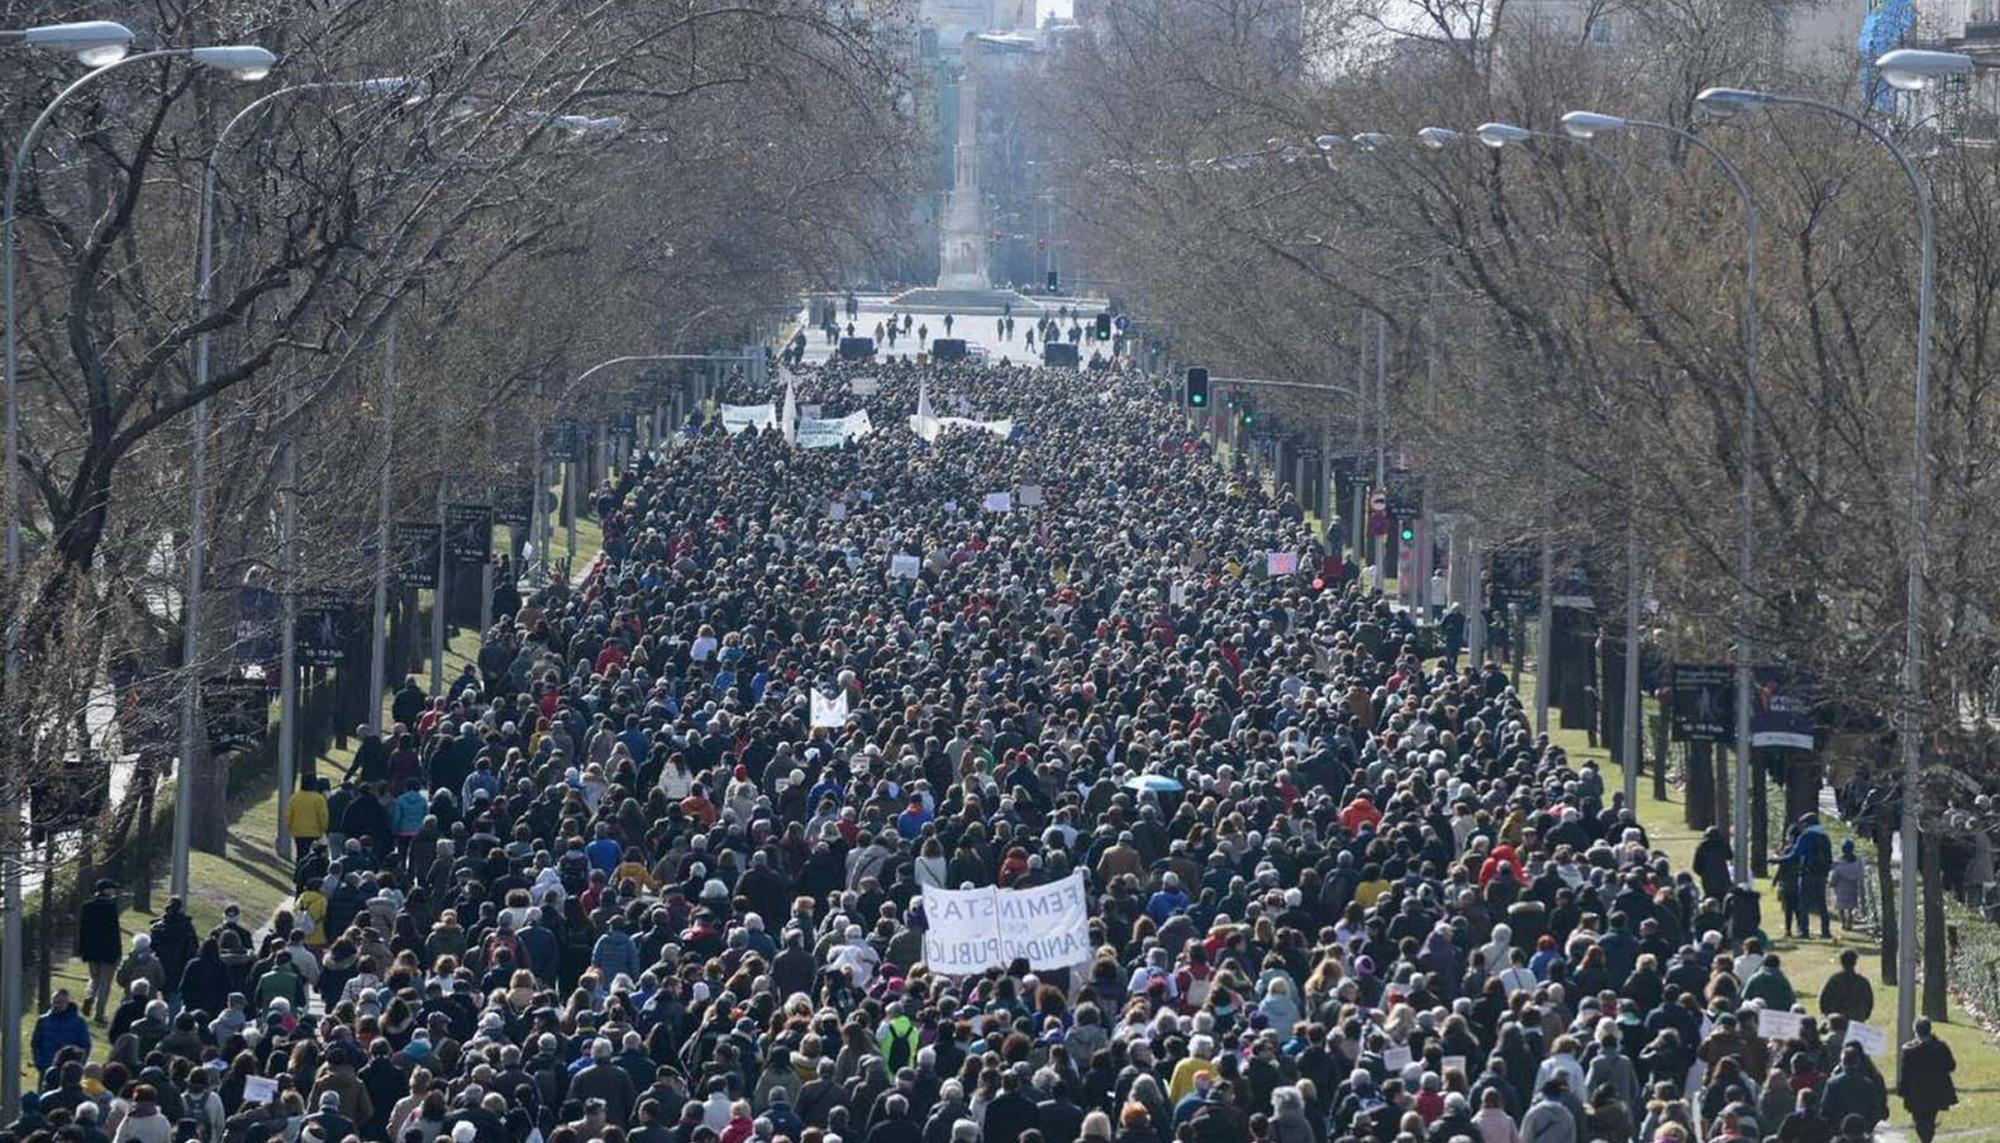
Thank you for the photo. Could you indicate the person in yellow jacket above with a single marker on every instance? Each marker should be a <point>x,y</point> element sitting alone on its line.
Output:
<point>309,913</point>
<point>306,817</point>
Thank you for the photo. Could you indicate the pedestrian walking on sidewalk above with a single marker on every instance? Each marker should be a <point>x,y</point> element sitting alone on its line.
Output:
<point>1925,1080</point>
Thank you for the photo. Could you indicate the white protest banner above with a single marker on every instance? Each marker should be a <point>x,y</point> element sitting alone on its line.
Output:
<point>1281,563</point>
<point>1047,926</point>
<point>904,567</point>
<point>998,502</point>
<point>736,418</point>
<point>816,433</point>
<point>1458,1062</point>
<point>837,510</point>
<point>1031,496</point>
<point>1873,1040</point>
<point>1396,1057</point>
<point>864,386</point>
<point>812,411</point>
<point>1000,428</point>
<point>1775,1025</point>
<point>829,712</point>
<point>971,930</point>
<point>962,932</point>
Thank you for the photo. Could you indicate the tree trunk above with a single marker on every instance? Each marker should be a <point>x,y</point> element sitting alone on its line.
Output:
<point>46,924</point>
<point>1935,998</point>
<point>1885,900</point>
<point>1661,740</point>
<point>1760,819</point>
<point>1803,774</point>
<point>1700,806</point>
<point>142,882</point>
<point>208,830</point>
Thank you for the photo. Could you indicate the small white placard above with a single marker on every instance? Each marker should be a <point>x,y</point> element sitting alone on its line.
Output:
<point>999,502</point>
<point>904,567</point>
<point>259,1089</point>
<point>1396,1057</point>
<point>1773,1025</point>
<point>1873,1040</point>
<point>1031,496</point>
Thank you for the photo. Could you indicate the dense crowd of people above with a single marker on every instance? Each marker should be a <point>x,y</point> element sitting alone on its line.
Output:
<point>616,884</point>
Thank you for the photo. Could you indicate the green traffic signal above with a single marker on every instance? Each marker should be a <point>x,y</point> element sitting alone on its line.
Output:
<point>1409,534</point>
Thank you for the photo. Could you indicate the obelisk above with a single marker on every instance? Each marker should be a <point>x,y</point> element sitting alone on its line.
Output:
<point>962,235</point>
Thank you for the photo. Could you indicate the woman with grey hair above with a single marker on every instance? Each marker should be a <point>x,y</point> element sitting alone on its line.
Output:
<point>1288,1117</point>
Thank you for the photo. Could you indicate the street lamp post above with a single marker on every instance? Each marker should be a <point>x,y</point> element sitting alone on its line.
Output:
<point>1588,125</point>
<point>101,44</point>
<point>1908,70</point>
<point>97,43</point>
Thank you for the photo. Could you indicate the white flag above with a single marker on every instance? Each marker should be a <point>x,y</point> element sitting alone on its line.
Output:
<point>829,712</point>
<point>790,418</point>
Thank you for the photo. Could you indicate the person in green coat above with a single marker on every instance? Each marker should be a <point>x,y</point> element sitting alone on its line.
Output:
<point>1770,985</point>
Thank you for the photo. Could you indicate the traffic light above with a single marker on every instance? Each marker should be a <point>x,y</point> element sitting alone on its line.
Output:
<point>1249,415</point>
<point>1104,327</point>
<point>1197,388</point>
<point>1054,282</point>
<point>1408,532</point>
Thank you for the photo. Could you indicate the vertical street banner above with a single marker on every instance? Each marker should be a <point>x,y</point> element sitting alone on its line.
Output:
<point>514,505</point>
<point>1704,703</point>
<point>416,553</point>
<point>1515,576</point>
<point>323,623</point>
<point>468,533</point>
<point>234,712</point>
<point>1781,712</point>
<point>559,440</point>
<point>968,931</point>
<point>258,619</point>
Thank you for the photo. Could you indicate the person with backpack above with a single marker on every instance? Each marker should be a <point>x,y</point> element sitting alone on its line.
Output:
<point>899,1039</point>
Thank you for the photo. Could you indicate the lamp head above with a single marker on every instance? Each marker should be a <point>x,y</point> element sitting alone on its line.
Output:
<point>1438,138</point>
<point>93,42</point>
<point>1730,100</point>
<point>1911,69</point>
<point>1328,142</point>
<point>416,87</point>
<point>590,124</point>
<point>1370,140</point>
<point>246,62</point>
<point>1589,124</point>
<point>1498,135</point>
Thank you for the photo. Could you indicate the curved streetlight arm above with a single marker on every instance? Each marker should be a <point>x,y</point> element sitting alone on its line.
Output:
<point>256,105</point>
<point>641,358</point>
<point>10,255</point>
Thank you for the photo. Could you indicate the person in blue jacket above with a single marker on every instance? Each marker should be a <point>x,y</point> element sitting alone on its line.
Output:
<point>62,1026</point>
